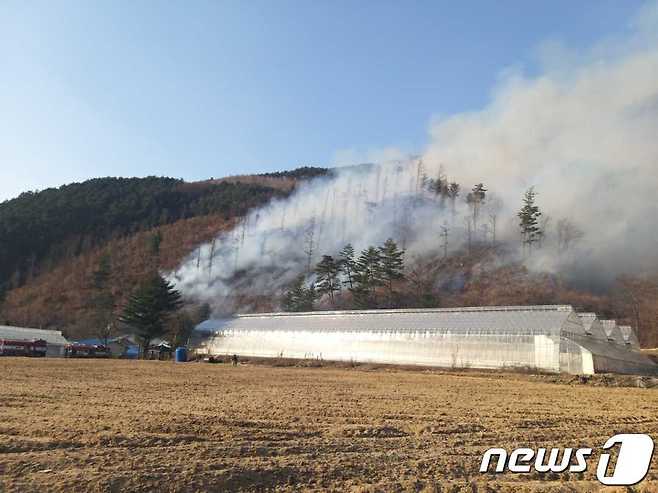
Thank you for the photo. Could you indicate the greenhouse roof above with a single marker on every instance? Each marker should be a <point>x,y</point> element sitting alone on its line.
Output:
<point>504,319</point>
<point>612,331</point>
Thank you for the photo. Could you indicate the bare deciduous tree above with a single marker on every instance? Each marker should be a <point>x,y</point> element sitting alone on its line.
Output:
<point>640,297</point>
<point>309,244</point>
<point>568,234</point>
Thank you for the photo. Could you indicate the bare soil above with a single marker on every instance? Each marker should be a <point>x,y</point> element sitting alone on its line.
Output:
<point>108,425</point>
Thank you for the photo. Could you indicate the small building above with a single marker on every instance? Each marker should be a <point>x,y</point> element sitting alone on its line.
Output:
<point>128,346</point>
<point>55,341</point>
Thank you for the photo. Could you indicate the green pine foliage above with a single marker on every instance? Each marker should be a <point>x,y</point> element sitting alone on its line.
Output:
<point>328,277</point>
<point>149,308</point>
<point>347,264</point>
<point>301,173</point>
<point>376,267</point>
<point>529,221</point>
<point>392,264</point>
<point>475,200</point>
<point>299,297</point>
<point>367,278</point>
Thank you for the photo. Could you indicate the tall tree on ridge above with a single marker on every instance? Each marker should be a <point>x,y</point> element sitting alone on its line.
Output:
<point>299,297</point>
<point>453,193</point>
<point>347,264</point>
<point>475,199</point>
<point>529,221</point>
<point>328,281</point>
<point>391,265</point>
<point>367,278</point>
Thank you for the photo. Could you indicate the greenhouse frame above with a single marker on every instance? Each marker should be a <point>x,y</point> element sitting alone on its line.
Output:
<point>551,338</point>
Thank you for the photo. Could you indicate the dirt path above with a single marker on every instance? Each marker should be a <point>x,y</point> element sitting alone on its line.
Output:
<point>76,425</point>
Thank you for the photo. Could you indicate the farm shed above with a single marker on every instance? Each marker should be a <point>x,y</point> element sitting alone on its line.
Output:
<point>56,342</point>
<point>549,338</point>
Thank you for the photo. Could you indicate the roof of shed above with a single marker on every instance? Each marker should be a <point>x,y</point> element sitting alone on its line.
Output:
<point>28,334</point>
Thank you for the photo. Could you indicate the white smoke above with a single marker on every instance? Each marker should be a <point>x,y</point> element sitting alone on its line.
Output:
<point>362,205</point>
<point>586,137</point>
<point>584,134</point>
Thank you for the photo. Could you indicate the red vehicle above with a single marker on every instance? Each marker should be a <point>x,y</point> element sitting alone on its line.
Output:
<point>87,351</point>
<point>35,348</point>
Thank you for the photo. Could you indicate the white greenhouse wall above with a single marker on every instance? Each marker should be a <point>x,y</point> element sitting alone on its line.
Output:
<point>546,338</point>
<point>409,348</point>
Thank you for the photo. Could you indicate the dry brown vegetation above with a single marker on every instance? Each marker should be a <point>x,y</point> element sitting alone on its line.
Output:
<point>60,297</point>
<point>75,425</point>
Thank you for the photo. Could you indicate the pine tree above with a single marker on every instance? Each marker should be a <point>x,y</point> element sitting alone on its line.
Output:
<point>347,264</point>
<point>367,278</point>
<point>439,187</point>
<point>328,282</point>
<point>529,220</point>
<point>310,297</point>
<point>391,264</point>
<point>149,308</point>
<point>475,200</point>
<point>288,299</point>
<point>453,193</point>
<point>299,298</point>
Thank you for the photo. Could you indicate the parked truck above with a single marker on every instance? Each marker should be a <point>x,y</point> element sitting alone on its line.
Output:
<point>35,348</point>
<point>87,351</point>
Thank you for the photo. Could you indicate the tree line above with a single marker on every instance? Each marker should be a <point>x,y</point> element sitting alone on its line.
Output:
<point>375,269</point>
<point>533,224</point>
<point>37,229</point>
<point>370,277</point>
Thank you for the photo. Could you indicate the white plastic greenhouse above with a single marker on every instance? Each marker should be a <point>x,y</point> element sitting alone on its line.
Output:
<point>550,338</point>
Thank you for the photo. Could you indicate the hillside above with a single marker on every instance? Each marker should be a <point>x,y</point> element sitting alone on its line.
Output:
<point>52,242</point>
<point>63,296</point>
<point>56,243</point>
<point>38,229</point>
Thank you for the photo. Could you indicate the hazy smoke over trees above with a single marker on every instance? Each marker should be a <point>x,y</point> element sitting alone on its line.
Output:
<point>583,133</point>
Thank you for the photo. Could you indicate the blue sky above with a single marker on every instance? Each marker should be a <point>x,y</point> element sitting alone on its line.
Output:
<point>199,89</point>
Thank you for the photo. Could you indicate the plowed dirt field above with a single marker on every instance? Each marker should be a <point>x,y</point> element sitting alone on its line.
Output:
<point>107,425</point>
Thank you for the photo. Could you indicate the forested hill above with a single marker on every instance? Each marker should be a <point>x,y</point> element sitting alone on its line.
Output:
<point>70,257</point>
<point>38,230</point>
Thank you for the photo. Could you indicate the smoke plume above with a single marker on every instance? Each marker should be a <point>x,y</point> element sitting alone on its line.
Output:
<point>584,133</point>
